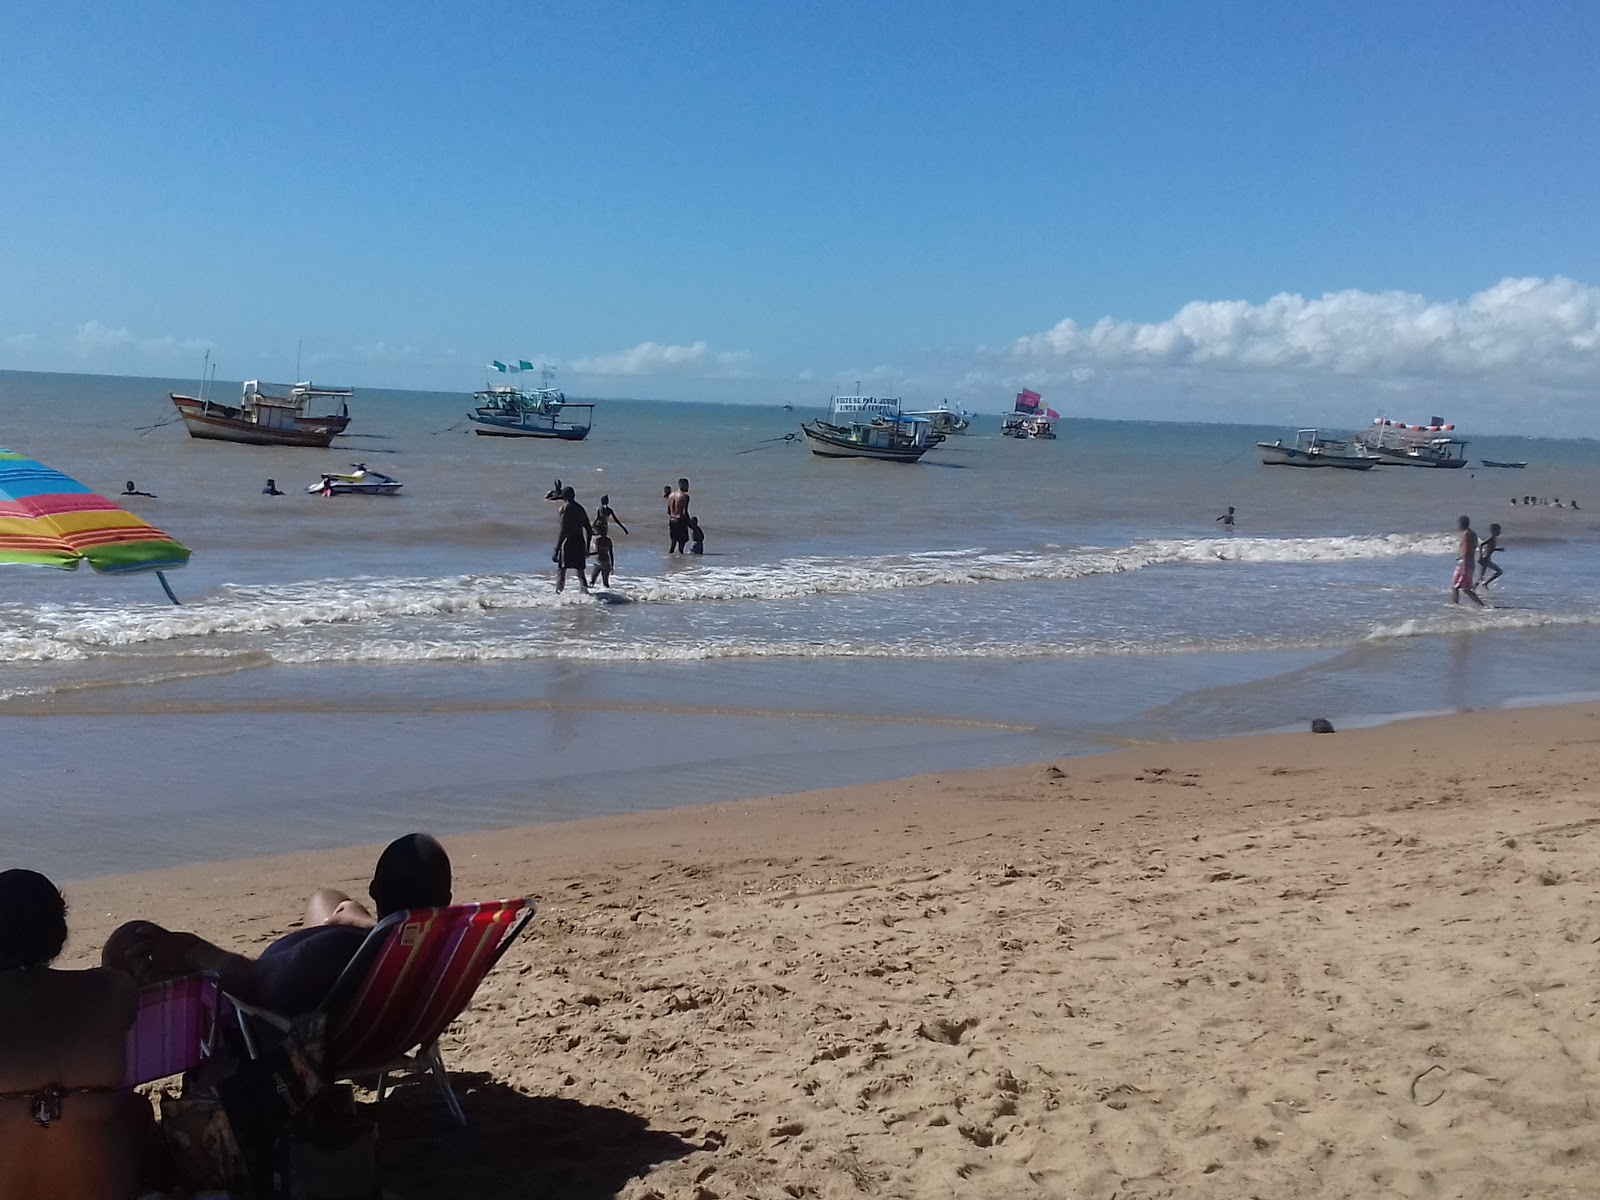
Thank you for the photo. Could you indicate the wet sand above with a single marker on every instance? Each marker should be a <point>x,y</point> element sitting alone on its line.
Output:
<point>1288,965</point>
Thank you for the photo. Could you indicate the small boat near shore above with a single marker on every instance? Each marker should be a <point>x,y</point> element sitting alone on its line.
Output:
<point>1509,466</point>
<point>1311,449</point>
<point>870,427</point>
<point>263,419</point>
<point>1397,444</point>
<point>360,480</point>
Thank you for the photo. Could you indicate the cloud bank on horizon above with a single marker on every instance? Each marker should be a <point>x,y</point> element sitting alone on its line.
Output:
<point>1226,359</point>
<point>1543,329</point>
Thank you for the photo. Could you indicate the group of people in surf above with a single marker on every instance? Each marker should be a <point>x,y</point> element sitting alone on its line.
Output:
<point>1545,502</point>
<point>579,539</point>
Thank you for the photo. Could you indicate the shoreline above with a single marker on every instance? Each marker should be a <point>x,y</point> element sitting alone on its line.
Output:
<point>1282,964</point>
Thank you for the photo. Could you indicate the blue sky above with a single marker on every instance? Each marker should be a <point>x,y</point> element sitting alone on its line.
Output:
<point>749,201</point>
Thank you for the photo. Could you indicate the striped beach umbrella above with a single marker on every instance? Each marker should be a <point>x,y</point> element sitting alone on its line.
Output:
<point>50,520</point>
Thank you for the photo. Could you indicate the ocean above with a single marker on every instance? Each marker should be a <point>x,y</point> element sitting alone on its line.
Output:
<point>344,669</point>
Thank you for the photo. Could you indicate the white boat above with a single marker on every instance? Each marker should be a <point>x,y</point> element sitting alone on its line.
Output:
<point>1395,443</point>
<point>944,419</point>
<point>870,427</point>
<point>360,480</point>
<point>541,412</point>
<point>1311,449</point>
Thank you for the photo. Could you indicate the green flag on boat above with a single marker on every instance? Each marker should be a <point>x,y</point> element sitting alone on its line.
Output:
<point>524,365</point>
<point>499,366</point>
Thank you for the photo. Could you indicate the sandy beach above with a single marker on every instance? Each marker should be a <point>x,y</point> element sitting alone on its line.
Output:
<point>1349,965</point>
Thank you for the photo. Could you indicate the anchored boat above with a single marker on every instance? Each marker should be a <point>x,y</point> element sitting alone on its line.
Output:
<point>870,427</point>
<point>262,419</point>
<point>944,419</point>
<point>542,412</point>
<point>1311,449</point>
<point>1395,443</point>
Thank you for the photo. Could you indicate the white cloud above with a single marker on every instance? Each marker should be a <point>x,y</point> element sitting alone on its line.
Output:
<point>656,358</point>
<point>1547,329</point>
<point>95,340</point>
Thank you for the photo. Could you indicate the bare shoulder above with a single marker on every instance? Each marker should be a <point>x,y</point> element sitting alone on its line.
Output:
<point>107,991</point>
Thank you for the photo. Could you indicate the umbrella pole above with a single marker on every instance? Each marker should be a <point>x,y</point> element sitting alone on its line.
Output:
<point>167,588</point>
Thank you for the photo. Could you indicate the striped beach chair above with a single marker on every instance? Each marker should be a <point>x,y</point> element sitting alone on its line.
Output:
<point>174,1029</point>
<point>414,974</point>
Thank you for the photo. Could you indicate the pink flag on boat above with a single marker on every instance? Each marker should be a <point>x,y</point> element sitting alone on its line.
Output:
<point>1027,401</point>
<point>1052,414</point>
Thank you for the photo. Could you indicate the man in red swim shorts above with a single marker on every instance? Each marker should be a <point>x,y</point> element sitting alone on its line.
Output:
<point>1466,558</point>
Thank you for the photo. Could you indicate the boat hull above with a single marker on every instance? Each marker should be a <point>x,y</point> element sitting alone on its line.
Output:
<point>1290,456</point>
<point>1388,458</point>
<point>487,429</point>
<point>212,422</point>
<point>1509,466</point>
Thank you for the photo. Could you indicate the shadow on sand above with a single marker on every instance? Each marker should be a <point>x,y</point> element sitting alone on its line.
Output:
<point>514,1145</point>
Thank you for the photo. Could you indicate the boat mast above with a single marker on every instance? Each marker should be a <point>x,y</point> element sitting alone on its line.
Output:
<point>205,369</point>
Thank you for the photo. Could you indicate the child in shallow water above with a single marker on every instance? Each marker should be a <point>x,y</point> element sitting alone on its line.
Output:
<point>697,537</point>
<point>603,557</point>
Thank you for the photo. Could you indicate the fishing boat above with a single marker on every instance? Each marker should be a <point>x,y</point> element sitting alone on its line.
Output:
<point>944,419</point>
<point>1025,425</point>
<point>870,427</point>
<point>263,419</point>
<point>1510,466</point>
<point>1395,443</point>
<point>1311,449</point>
<point>360,480</point>
<point>507,410</point>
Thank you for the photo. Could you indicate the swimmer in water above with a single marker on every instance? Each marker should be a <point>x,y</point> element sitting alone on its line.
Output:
<point>271,489</point>
<point>130,490</point>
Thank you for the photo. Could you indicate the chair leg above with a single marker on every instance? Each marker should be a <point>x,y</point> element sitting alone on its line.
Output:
<point>436,1065</point>
<point>382,1087</point>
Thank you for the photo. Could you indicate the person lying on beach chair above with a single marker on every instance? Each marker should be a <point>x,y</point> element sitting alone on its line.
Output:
<point>69,1128</point>
<point>293,974</point>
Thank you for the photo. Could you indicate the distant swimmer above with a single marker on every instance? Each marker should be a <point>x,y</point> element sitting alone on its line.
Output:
<point>697,537</point>
<point>605,514</point>
<point>1226,519</point>
<point>130,490</point>
<point>572,542</point>
<point>1466,561</point>
<point>271,489</point>
<point>555,493</point>
<point>1487,549</point>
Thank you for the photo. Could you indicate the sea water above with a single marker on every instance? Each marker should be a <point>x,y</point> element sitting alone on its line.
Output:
<point>341,667</point>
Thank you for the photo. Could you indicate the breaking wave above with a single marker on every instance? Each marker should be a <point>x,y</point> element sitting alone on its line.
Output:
<point>57,632</point>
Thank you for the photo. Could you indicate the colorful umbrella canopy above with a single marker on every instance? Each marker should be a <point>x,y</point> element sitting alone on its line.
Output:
<point>49,520</point>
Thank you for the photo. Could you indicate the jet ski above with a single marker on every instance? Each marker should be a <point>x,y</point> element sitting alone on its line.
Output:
<point>360,480</point>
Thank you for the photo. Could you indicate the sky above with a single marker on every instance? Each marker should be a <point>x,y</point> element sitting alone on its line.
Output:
<point>1220,211</point>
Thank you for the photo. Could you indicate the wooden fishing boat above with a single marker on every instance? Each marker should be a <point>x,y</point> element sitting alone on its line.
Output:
<point>1510,466</point>
<point>870,427</point>
<point>263,419</point>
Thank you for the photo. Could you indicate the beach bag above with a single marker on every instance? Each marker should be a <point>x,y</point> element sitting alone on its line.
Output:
<point>199,1137</point>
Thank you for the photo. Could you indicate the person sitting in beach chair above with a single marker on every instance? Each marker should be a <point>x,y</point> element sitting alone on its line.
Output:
<point>69,1128</point>
<point>293,974</point>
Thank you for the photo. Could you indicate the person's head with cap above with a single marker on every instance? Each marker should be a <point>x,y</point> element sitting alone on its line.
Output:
<point>33,920</point>
<point>412,872</point>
